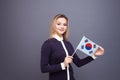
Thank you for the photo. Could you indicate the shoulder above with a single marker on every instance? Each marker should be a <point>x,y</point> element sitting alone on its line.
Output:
<point>48,42</point>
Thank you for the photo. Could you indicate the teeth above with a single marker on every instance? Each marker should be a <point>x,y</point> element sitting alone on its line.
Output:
<point>61,30</point>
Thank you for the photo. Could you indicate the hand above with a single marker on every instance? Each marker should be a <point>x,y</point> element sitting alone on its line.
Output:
<point>68,60</point>
<point>99,52</point>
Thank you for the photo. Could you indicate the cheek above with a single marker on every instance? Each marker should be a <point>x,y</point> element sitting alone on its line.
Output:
<point>66,28</point>
<point>56,26</point>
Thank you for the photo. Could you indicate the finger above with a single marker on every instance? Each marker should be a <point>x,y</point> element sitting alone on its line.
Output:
<point>101,48</point>
<point>70,57</point>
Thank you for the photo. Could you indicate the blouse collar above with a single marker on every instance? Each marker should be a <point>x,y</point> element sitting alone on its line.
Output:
<point>57,37</point>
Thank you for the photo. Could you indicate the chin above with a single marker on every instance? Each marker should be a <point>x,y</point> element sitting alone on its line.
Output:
<point>61,33</point>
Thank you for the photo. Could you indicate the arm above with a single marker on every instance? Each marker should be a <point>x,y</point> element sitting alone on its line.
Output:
<point>45,57</point>
<point>81,62</point>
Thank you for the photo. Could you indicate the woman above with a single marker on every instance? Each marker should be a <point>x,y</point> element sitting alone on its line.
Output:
<point>57,50</point>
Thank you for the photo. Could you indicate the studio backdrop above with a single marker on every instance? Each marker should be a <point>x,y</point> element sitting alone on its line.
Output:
<point>24,26</point>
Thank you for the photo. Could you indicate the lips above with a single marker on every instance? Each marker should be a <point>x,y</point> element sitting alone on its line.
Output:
<point>61,30</point>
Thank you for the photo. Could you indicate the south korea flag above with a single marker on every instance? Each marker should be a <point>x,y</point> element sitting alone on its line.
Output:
<point>87,46</point>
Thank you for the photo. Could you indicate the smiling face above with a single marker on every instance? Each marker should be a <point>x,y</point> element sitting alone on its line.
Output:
<point>60,26</point>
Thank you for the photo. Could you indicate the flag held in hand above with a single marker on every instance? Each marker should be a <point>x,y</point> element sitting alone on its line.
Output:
<point>87,46</point>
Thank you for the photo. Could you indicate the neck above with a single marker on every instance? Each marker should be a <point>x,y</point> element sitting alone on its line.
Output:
<point>57,37</point>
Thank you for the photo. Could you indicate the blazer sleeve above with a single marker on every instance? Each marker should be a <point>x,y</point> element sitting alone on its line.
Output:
<point>45,57</point>
<point>81,62</point>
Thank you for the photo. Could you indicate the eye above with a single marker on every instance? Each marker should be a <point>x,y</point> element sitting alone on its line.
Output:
<point>65,24</point>
<point>58,23</point>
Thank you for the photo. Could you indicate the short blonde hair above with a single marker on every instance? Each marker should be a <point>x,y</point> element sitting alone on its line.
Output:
<point>52,26</point>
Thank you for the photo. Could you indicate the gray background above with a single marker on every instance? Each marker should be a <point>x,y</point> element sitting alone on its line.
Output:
<point>24,26</point>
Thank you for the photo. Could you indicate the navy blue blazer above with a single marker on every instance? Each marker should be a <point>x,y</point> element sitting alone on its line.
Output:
<point>52,54</point>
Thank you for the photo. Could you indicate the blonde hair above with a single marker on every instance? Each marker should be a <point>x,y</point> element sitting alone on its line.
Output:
<point>52,26</point>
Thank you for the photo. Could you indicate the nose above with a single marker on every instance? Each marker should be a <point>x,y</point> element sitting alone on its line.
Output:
<point>63,25</point>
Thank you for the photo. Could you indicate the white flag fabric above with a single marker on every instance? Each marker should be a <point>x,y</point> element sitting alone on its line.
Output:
<point>87,46</point>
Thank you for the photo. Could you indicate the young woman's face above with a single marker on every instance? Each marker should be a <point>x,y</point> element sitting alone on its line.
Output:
<point>61,26</point>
